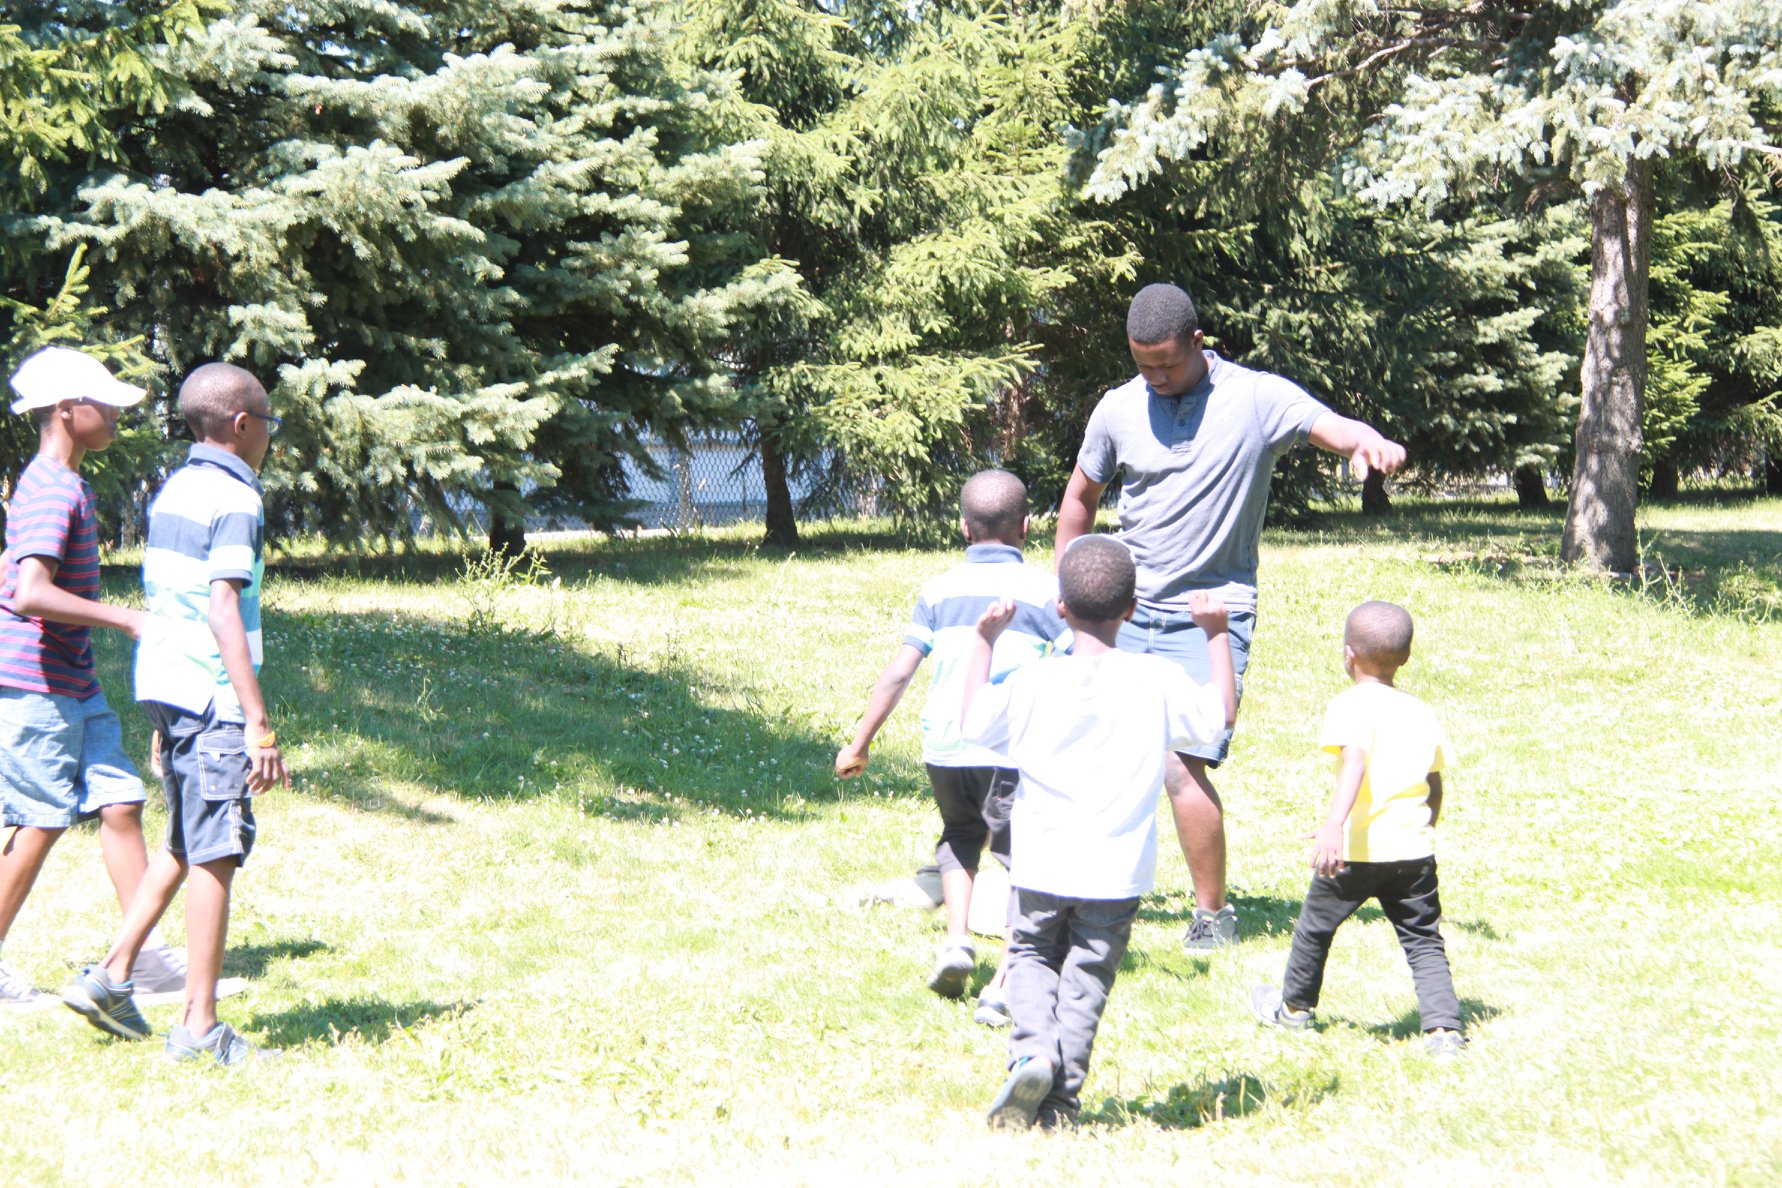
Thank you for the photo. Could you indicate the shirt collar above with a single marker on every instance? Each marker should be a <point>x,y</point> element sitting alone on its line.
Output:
<point>981,553</point>
<point>204,455</point>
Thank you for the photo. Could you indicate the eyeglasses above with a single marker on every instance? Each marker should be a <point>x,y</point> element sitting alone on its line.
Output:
<point>273,424</point>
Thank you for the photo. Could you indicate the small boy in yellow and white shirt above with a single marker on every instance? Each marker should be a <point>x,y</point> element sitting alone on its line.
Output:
<point>1378,839</point>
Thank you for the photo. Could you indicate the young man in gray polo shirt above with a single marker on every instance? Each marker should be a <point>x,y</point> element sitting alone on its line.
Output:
<point>1193,439</point>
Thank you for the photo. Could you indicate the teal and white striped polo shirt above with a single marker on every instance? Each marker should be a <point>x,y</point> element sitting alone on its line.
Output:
<point>205,526</point>
<point>944,624</point>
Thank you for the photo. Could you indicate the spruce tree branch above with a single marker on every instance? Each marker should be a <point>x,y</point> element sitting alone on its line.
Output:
<point>1409,45</point>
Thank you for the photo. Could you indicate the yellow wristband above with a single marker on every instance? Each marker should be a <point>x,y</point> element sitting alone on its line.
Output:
<point>271,739</point>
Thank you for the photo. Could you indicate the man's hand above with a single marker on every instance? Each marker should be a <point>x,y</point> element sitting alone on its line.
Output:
<point>851,760</point>
<point>1376,453</point>
<point>1208,611</point>
<point>155,764</point>
<point>994,619</point>
<point>1327,850</point>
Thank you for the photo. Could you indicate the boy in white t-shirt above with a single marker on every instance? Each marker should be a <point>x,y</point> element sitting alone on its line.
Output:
<point>1089,733</point>
<point>1378,839</point>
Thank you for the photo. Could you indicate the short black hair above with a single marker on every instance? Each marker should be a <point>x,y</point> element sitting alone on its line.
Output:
<point>1096,578</point>
<point>993,503</point>
<point>212,395</point>
<point>1379,633</point>
<point>1161,313</point>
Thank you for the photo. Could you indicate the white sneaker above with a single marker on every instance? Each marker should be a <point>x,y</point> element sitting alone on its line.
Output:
<point>17,992</point>
<point>160,969</point>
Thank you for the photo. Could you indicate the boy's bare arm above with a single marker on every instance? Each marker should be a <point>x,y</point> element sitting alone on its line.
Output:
<point>39,597</point>
<point>977,665</point>
<point>1210,615</point>
<point>1435,797</point>
<point>1327,839</point>
<point>267,765</point>
<point>851,760</point>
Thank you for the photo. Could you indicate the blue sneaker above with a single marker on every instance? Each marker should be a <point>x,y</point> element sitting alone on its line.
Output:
<point>106,1004</point>
<point>1017,1102</point>
<point>220,1044</point>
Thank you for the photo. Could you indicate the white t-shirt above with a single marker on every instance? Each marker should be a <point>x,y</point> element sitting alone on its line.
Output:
<point>1089,734</point>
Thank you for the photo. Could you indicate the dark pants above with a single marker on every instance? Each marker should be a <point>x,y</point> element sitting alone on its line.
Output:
<point>1062,961</point>
<point>974,809</point>
<point>1407,894</point>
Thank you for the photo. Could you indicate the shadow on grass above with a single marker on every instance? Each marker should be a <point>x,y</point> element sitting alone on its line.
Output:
<point>1258,915</point>
<point>336,1019</point>
<point>1189,1107</point>
<point>393,704</point>
<point>1410,1024</point>
<point>253,960</point>
<point>1479,928</point>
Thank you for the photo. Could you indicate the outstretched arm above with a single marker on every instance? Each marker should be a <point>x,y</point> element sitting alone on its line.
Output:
<point>1076,511</point>
<point>851,760</point>
<point>1365,447</point>
<point>977,665</point>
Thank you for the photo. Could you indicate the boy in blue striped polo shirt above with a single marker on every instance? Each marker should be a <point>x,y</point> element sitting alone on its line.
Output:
<point>972,786</point>
<point>196,677</point>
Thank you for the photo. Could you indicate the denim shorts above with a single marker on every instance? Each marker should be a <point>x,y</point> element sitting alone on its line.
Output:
<point>61,759</point>
<point>205,765</point>
<point>1173,635</point>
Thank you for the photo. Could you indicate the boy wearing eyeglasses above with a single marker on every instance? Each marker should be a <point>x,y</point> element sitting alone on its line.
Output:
<point>197,678</point>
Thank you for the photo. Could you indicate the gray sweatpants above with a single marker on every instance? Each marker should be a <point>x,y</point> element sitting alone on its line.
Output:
<point>1062,961</point>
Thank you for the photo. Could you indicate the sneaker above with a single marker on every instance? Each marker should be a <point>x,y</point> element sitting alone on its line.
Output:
<point>220,1044</point>
<point>993,1012</point>
<point>1017,1102</point>
<point>1270,1011</point>
<point>953,964</point>
<point>17,992</point>
<point>1211,930</point>
<point>1444,1045</point>
<point>159,969</point>
<point>106,1004</point>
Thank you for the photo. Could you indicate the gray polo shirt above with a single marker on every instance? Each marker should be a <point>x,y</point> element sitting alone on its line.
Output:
<point>1194,475</point>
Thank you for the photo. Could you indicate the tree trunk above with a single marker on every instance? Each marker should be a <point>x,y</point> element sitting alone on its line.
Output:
<point>782,521</point>
<point>507,533</point>
<point>1772,475</point>
<point>1373,494</point>
<point>1531,486</point>
<point>1666,482</point>
<point>1599,519</point>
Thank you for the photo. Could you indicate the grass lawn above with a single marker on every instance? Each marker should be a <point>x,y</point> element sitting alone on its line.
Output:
<point>565,890</point>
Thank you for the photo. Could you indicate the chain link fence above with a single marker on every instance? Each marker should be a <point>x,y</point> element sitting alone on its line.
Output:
<point>715,480</point>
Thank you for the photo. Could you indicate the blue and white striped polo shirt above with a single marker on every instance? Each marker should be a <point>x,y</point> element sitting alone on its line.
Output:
<point>945,623</point>
<point>205,526</point>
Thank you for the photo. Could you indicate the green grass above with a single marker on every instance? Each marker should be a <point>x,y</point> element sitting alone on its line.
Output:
<point>573,899</point>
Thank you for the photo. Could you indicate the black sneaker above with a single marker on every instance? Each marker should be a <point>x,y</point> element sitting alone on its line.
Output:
<point>1211,931</point>
<point>106,1004</point>
<point>1270,1011</point>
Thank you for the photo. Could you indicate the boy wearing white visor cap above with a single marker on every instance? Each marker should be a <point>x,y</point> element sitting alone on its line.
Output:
<point>62,758</point>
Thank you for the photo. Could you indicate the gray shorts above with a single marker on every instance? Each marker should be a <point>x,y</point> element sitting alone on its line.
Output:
<point>205,765</point>
<point>61,759</point>
<point>1173,635</point>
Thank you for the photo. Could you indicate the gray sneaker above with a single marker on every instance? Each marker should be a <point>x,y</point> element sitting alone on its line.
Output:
<point>993,1012</point>
<point>17,992</point>
<point>1444,1046</point>
<point>953,964</point>
<point>220,1044</point>
<point>1270,1011</point>
<point>1017,1102</point>
<point>1210,931</point>
<point>106,1004</point>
